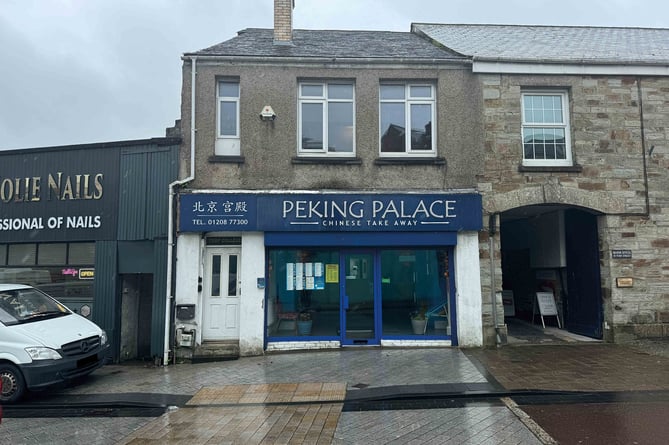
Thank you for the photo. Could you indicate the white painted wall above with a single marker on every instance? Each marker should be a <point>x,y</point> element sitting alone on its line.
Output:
<point>468,299</point>
<point>252,309</point>
<point>188,269</point>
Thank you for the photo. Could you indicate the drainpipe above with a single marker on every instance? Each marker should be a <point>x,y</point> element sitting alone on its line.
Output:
<point>493,297</point>
<point>171,270</point>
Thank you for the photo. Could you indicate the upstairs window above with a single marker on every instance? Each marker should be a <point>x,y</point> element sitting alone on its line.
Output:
<point>227,126</point>
<point>545,129</point>
<point>326,119</point>
<point>407,106</point>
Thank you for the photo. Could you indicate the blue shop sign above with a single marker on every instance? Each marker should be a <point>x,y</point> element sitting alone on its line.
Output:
<point>329,212</point>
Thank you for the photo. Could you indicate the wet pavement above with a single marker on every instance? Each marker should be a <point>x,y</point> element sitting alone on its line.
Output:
<point>514,394</point>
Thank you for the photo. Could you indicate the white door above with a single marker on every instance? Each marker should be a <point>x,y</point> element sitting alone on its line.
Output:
<point>221,294</point>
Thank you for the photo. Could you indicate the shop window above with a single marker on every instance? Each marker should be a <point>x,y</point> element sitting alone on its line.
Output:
<point>22,254</point>
<point>303,286</point>
<point>81,253</point>
<point>414,288</point>
<point>52,254</point>
<point>65,271</point>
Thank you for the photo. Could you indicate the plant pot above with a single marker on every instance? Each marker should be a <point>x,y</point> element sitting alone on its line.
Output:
<point>418,326</point>
<point>304,327</point>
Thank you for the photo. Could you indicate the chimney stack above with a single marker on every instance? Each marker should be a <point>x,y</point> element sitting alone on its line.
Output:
<point>283,22</point>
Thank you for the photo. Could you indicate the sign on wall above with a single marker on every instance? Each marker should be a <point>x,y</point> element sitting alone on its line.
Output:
<point>58,195</point>
<point>325,212</point>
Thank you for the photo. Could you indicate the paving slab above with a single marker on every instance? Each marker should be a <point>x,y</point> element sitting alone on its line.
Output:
<point>573,367</point>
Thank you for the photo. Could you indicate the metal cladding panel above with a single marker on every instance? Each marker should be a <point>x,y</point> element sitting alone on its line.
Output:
<point>159,298</point>
<point>164,168</point>
<point>107,296</point>
<point>146,173</point>
<point>68,194</point>
<point>132,196</point>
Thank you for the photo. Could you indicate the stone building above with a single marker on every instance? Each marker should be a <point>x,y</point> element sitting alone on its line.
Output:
<point>576,170</point>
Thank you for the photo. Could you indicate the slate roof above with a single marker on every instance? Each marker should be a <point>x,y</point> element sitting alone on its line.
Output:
<point>256,42</point>
<point>563,44</point>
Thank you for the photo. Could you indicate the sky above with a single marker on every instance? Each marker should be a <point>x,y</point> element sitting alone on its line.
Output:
<point>86,71</point>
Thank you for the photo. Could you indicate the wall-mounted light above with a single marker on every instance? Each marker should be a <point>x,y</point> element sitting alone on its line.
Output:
<point>267,114</point>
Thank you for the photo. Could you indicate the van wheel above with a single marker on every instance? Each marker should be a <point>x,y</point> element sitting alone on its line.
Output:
<point>13,385</point>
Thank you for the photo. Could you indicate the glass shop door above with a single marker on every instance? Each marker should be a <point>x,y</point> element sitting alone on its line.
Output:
<point>359,293</point>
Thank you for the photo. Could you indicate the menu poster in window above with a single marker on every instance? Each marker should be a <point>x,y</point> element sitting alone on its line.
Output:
<point>290,276</point>
<point>332,273</point>
<point>309,283</point>
<point>308,269</point>
<point>299,276</point>
<point>319,279</point>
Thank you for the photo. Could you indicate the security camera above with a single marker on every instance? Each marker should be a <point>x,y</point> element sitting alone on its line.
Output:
<point>267,114</point>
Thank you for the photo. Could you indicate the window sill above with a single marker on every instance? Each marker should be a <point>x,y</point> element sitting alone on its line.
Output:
<point>410,161</point>
<point>226,159</point>
<point>324,160</point>
<point>550,169</point>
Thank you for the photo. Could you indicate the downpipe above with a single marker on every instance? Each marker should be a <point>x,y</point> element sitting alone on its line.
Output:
<point>492,228</point>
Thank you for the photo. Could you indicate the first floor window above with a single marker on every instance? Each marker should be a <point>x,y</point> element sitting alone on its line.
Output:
<point>545,129</point>
<point>407,114</point>
<point>228,108</point>
<point>326,116</point>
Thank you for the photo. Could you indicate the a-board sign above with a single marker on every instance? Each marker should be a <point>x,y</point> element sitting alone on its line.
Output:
<point>546,303</point>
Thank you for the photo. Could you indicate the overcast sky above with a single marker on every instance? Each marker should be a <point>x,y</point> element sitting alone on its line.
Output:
<point>83,71</point>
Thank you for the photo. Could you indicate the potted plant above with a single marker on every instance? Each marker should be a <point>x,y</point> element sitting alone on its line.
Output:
<point>304,323</point>
<point>419,320</point>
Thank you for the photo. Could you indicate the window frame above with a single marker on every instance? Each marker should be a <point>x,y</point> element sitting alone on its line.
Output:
<point>408,102</point>
<point>220,100</point>
<point>324,100</point>
<point>565,125</point>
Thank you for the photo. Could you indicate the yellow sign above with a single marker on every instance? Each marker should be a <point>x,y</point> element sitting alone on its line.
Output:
<point>86,274</point>
<point>332,273</point>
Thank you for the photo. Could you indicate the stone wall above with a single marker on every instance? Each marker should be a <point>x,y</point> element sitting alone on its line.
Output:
<point>620,149</point>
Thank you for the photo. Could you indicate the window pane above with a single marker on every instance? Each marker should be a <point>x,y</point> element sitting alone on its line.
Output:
<point>392,92</point>
<point>420,91</point>
<point>312,90</point>
<point>82,253</point>
<point>528,143</point>
<point>312,126</point>
<point>216,276</point>
<point>414,283</point>
<point>22,254</point>
<point>421,127</point>
<point>228,89</point>
<point>297,285</point>
<point>392,128</point>
<point>340,127</point>
<point>3,254</point>
<point>339,91</point>
<point>52,254</point>
<point>228,118</point>
<point>232,275</point>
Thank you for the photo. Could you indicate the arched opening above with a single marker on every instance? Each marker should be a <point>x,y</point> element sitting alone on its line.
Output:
<point>553,249</point>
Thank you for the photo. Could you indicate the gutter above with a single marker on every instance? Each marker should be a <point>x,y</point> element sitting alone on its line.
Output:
<point>171,261</point>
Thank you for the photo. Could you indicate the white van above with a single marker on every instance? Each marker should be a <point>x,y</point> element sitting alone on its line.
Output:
<point>42,342</point>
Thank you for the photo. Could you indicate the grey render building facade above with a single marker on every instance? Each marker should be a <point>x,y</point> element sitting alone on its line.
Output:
<point>355,224</point>
<point>308,216</point>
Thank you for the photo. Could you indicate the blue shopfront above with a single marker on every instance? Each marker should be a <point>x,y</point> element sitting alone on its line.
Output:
<point>339,268</point>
